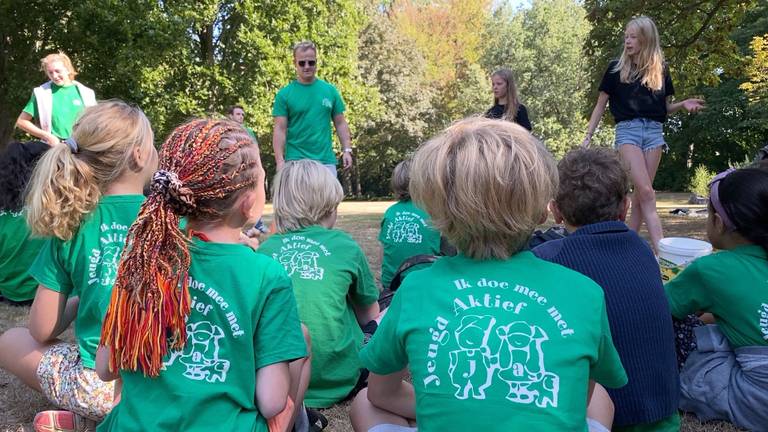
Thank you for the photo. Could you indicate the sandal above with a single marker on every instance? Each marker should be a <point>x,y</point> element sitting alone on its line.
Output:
<point>62,421</point>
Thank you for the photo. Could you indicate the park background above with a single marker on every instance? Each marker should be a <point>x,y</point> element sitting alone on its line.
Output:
<point>406,68</point>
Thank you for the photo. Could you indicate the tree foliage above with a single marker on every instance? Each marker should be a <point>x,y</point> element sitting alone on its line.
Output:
<point>542,47</point>
<point>406,68</point>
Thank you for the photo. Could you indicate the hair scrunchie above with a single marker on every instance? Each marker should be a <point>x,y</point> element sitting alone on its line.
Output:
<point>168,185</point>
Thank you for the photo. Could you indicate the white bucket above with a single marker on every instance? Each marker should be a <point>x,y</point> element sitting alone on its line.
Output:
<point>675,253</point>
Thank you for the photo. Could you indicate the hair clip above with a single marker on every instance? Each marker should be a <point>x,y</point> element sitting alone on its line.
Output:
<point>714,198</point>
<point>72,144</point>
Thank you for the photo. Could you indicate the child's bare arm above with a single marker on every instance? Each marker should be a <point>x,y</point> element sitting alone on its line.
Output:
<point>51,314</point>
<point>102,365</point>
<point>366,313</point>
<point>392,393</point>
<point>597,115</point>
<point>272,385</point>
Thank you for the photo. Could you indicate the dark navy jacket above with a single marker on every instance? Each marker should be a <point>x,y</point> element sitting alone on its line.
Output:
<point>641,325</point>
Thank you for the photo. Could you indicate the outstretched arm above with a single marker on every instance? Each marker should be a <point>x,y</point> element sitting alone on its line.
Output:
<point>597,115</point>
<point>692,105</point>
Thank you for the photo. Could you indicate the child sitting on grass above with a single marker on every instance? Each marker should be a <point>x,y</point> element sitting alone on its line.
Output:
<point>405,229</point>
<point>83,195</point>
<point>726,376</point>
<point>17,248</point>
<point>592,201</point>
<point>201,328</point>
<point>494,338</point>
<point>334,288</point>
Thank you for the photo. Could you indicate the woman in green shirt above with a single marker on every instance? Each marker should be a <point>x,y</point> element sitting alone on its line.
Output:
<point>56,104</point>
<point>17,248</point>
<point>83,195</point>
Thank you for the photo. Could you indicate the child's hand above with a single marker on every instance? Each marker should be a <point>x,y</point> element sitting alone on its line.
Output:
<point>251,242</point>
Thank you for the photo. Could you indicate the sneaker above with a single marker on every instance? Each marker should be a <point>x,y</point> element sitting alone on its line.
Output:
<point>261,227</point>
<point>317,421</point>
<point>62,421</point>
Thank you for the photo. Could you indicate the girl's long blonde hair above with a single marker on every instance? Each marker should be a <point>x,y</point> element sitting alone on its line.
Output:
<point>648,66</point>
<point>513,103</point>
<point>69,179</point>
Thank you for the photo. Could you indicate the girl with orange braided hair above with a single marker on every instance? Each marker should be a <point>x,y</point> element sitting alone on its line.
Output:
<point>197,321</point>
<point>83,195</point>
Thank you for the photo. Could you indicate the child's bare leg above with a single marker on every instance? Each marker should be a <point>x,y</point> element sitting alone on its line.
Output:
<point>600,407</point>
<point>20,355</point>
<point>364,415</point>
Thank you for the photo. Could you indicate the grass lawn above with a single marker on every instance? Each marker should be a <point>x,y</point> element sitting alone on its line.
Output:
<point>18,404</point>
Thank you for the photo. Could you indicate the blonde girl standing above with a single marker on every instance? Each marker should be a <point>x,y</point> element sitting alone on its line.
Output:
<point>83,195</point>
<point>639,90</point>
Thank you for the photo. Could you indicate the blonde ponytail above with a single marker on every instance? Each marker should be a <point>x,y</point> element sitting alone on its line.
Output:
<point>70,178</point>
<point>62,191</point>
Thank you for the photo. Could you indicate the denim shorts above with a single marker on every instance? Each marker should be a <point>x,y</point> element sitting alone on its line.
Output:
<point>643,133</point>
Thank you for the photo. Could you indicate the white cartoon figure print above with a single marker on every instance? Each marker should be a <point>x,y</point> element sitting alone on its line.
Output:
<point>201,353</point>
<point>404,232</point>
<point>303,262</point>
<point>521,365</point>
<point>108,261</point>
<point>471,367</point>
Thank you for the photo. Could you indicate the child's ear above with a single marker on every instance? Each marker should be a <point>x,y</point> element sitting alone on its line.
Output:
<point>624,209</point>
<point>247,207</point>
<point>719,224</point>
<point>556,212</point>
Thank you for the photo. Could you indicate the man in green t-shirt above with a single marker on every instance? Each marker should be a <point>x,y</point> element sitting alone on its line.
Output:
<point>236,113</point>
<point>303,111</point>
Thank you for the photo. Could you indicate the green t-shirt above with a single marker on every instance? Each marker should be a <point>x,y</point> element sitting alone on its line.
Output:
<point>17,251</point>
<point>329,273</point>
<point>66,105</point>
<point>733,286</point>
<point>405,232</point>
<point>309,109</point>
<point>243,318</point>
<point>251,133</point>
<point>520,336</point>
<point>85,266</point>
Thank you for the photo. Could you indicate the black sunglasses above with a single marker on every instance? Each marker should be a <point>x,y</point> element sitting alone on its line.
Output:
<point>303,63</point>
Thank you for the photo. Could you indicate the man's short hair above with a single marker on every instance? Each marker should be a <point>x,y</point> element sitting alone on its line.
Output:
<point>485,184</point>
<point>593,186</point>
<point>232,108</point>
<point>303,46</point>
<point>304,192</point>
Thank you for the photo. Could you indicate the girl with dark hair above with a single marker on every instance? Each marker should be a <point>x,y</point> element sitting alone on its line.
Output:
<point>506,105</point>
<point>194,315</point>
<point>17,248</point>
<point>726,376</point>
